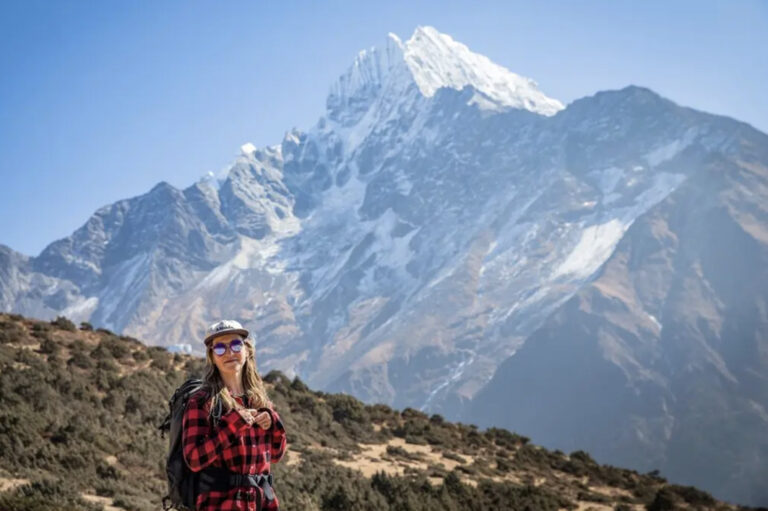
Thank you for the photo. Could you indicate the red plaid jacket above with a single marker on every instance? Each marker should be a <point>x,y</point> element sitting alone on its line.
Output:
<point>234,445</point>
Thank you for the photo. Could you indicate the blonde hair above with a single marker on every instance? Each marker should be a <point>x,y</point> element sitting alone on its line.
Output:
<point>252,383</point>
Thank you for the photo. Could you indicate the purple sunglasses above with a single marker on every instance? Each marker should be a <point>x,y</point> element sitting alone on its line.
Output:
<point>235,346</point>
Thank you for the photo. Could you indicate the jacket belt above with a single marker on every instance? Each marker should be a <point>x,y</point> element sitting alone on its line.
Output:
<point>216,479</point>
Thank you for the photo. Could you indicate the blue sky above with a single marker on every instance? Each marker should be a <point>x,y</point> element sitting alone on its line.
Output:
<point>101,100</point>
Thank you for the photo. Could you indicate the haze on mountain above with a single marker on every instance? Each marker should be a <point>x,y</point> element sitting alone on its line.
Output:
<point>449,238</point>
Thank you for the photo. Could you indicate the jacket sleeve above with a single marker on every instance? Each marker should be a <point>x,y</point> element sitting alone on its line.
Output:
<point>201,444</point>
<point>277,446</point>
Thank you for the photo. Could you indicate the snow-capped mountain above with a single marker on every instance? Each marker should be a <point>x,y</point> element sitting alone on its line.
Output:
<point>438,213</point>
<point>433,61</point>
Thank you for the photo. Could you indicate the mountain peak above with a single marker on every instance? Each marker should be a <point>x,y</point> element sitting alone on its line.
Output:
<point>436,60</point>
<point>433,60</point>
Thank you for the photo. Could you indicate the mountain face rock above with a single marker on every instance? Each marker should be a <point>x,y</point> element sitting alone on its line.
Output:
<point>21,288</point>
<point>432,220</point>
<point>661,362</point>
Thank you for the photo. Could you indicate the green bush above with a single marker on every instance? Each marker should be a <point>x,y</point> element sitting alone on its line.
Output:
<point>41,330</point>
<point>118,348</point>
<point>161,358</point>
<point>665,500</point>
<point>504,438</point>
<point>81,360</point>
<point>10,332</point>
<point>298,385</point>
<point>64,324</point>
<point>693,496</point>
<point>49,347</point>
<point>455,457</point>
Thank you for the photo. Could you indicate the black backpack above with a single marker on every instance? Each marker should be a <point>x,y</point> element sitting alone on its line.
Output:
<point>183,483</point>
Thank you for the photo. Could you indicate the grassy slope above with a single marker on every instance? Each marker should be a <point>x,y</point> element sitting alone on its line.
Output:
<point>78,417</point>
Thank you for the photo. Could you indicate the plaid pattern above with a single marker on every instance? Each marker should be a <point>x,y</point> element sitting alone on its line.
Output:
<point>234,445</point>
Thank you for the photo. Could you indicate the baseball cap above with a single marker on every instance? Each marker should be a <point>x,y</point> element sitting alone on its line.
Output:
<point>225,326</point>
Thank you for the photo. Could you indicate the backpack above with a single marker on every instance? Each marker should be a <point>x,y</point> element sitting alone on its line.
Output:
<point>183,483</point>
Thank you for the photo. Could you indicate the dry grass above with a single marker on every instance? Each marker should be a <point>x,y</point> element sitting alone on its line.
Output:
<point>105,502</point>
<point>292,458</point>
<point>9,484</point>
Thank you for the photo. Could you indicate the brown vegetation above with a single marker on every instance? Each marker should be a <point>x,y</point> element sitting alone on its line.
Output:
<point>79,410</point>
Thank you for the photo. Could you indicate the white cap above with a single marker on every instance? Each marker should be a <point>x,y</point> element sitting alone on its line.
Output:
<point>225,326</point>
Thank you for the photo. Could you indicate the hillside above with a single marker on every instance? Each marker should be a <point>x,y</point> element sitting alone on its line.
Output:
<point>79,410</point>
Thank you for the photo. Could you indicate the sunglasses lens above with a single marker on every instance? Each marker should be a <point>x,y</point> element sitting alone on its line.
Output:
<point>235,346</point>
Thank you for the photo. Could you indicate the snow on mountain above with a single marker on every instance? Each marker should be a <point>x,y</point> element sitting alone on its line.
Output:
<point>431,61</point>
<point>437,61</point>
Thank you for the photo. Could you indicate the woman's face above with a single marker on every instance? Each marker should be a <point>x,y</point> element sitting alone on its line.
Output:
<point>229,362</point>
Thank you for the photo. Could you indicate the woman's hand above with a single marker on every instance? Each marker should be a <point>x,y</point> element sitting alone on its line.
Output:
<point>263,419</point>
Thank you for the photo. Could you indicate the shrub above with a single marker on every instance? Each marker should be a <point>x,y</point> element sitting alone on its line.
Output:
<point>437,419</point>
<point>504,438</point>
<point>40,330</point>
<point>116,347</point>
<point>277,378</point>
<point>299,385</point>
<point>81,360</point>
<point>161,358</point>
<point>346,408</point>
<point>49,347</point>
<point>693,496</point>
<point>10,332</point>
<point>665,500</point>
<point>381,413</point>
<point>582,457</point>
<point>64,324</point>
<point>453,456</point>
<point>398,452</point>
<point>592,497</point>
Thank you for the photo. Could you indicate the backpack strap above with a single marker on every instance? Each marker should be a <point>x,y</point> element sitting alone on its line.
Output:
<point>217,413</point>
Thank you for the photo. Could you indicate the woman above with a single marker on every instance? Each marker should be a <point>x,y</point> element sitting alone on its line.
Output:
<point>247,437</point>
